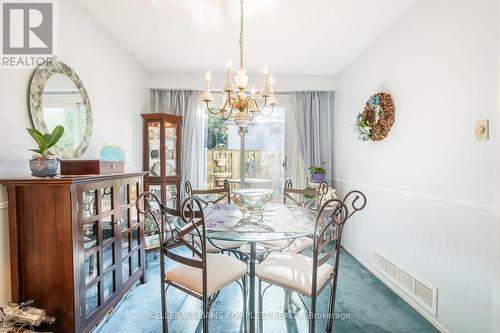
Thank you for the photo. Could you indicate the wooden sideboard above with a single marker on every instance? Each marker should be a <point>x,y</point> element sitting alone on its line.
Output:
<point>76,244</point>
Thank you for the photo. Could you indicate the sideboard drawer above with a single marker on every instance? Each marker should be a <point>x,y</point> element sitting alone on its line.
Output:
<point>91,167</point>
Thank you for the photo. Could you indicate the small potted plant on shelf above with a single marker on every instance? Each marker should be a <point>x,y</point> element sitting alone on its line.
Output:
<point>151,235</point>
<point>44,163</point>
<point>317,173</point>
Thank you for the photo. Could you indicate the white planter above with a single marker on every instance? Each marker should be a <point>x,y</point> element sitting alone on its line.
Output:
<point>152,240</point>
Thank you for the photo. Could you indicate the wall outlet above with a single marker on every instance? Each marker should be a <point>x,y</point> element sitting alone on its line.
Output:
<point>482,130</point>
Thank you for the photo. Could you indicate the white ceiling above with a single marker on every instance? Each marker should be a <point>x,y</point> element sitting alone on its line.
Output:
<point>317,37</point>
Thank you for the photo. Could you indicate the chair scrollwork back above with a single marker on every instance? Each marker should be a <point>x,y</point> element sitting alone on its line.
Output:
<point>358,201</point>
<point>171,232</point>
<point>222,195</point>
<point>307,197</point>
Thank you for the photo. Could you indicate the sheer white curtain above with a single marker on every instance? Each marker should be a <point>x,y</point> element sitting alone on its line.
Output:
<point>294,169</point>
<point>313,121</point>
<point>185,103</point>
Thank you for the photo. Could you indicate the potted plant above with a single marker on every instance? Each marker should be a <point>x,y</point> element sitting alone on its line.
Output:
<point>317,173</point>
<point>151,235</point>
<point>44,163</point>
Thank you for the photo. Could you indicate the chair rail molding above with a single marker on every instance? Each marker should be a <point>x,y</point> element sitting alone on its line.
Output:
<point>469,204</point>
<point>4,204</point>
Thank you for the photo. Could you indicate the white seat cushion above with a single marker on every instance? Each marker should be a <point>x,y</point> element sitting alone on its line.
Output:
<point>298,245</point>
<point>221,271</point>
<point>292,271</point>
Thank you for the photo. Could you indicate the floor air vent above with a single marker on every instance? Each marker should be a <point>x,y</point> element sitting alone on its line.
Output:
<point>421,293</point>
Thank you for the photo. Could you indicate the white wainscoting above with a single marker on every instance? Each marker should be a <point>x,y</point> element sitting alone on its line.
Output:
<point>4,253</point>
<point>447,242</point>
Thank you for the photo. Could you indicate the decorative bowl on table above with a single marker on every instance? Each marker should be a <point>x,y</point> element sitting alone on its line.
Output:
<point>252,198</point>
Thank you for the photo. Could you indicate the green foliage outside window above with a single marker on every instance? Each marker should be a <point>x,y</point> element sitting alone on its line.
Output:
<point>217,131</point>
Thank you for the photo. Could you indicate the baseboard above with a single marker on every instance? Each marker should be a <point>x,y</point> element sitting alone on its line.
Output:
<point>399,292</point>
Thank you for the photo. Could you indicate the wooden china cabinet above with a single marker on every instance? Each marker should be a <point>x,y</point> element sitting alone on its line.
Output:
<point>76,244</point>
<point>162,156</point>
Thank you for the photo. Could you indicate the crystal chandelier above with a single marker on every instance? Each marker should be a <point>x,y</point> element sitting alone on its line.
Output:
<point>245,107</point>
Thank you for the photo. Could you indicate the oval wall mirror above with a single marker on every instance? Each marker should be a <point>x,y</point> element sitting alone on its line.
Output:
<point>58,97</point>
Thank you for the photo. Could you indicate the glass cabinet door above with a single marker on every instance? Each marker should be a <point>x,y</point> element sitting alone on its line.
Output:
<point>89,204</point>
<point>91,242</point>
<point>154,148</point>
<point>151,233</point>
<point>170,150</point>
<point>111,239</point>
<point>98,233</point>
<point>171,196</point>
<point>156,190</point>
<point>130,229</point>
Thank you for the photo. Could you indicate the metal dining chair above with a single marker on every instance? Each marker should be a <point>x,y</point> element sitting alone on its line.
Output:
<point>202,276</point>
<point>309,276</point>
<point>311,198</point>
<point>213,197</point>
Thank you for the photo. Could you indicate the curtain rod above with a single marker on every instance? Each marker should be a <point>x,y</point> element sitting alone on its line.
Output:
<point>279,92</point>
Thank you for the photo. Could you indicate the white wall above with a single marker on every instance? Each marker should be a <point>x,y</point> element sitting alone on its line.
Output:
<point>429,185</point>
<point>283,82</point>
<point>495,327</point>
<point>116,85</point>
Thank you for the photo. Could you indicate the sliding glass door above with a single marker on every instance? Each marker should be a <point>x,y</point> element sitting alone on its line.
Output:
<point>264,151</point>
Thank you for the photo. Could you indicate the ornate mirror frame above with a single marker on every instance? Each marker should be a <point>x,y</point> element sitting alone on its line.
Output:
<point>38,81</point>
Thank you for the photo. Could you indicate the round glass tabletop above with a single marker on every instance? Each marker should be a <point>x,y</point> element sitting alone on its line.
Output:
<point>271,222</point>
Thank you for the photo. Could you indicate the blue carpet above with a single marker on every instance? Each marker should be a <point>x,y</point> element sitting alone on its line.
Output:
<point>364,304</point>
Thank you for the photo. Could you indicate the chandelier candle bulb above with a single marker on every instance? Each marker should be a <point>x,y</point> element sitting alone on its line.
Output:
<point>228,87</point>
<point>272,100</point>
<point>265,70</point>
<point>265,88</point>
<point>206,95</point>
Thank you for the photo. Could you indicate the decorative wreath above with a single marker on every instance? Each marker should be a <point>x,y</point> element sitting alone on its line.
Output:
<point>376,120</point>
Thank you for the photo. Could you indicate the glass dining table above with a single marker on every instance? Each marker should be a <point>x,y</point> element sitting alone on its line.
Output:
<point>270,222</point>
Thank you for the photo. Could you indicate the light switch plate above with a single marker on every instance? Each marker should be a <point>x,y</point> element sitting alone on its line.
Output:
<point>482,130</point>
